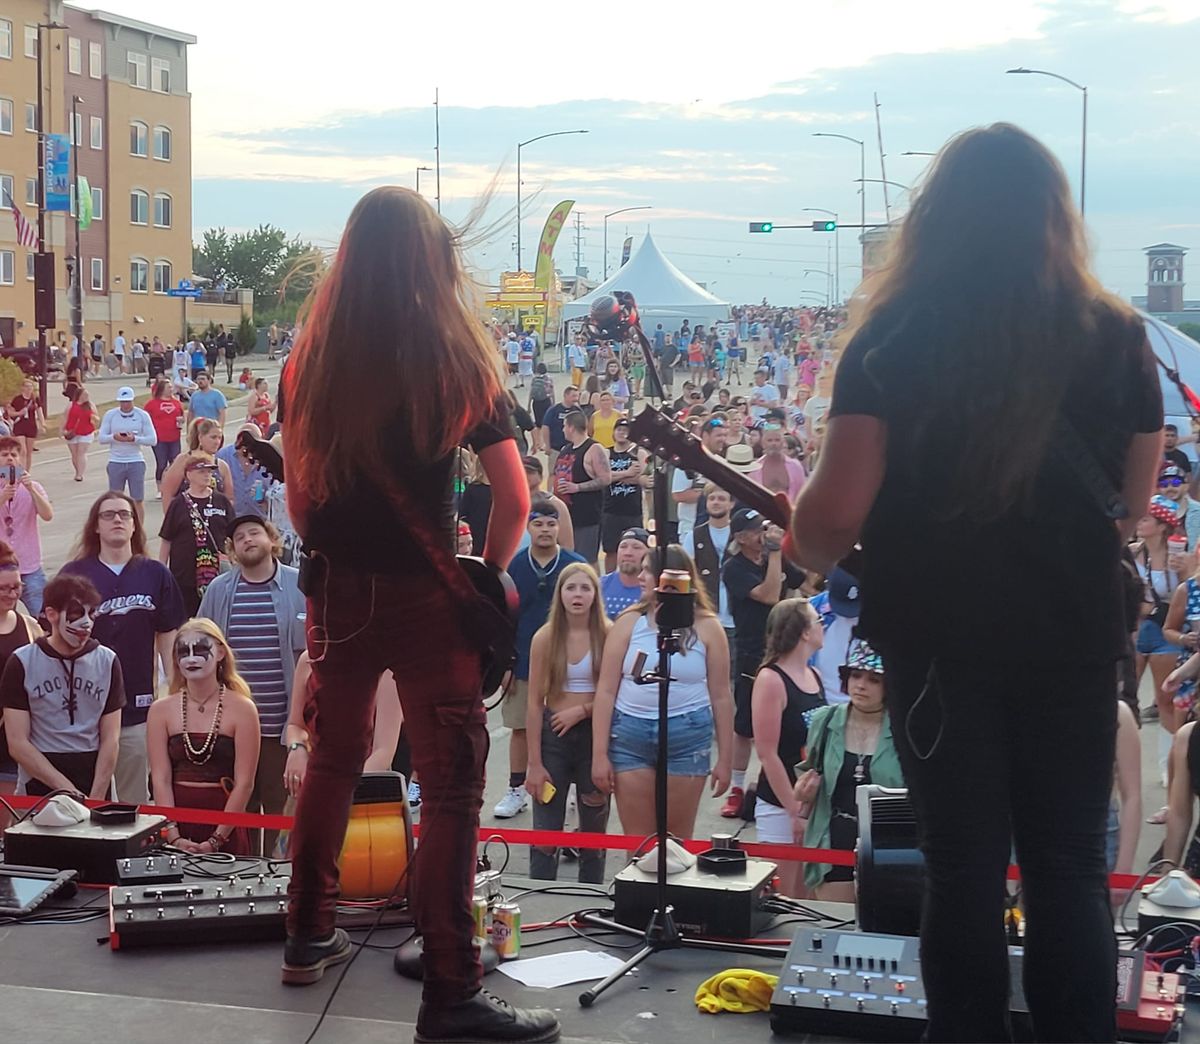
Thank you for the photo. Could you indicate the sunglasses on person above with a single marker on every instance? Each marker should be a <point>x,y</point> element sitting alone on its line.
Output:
<point>1173,481</point>
<point>111,515</point>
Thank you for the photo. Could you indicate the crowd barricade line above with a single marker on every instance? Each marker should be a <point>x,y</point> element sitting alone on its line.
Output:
<point>555,838</point>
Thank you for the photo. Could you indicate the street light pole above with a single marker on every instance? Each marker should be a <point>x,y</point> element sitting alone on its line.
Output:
<point>419,169</point>
<point>862,173</point>
<point>1083,144</point>
<point>614,213</point>
<point>437,149</point>
<point>520,146</point>
<point>837,247</point>
<point>41,169</point>
<point>885,181</point>
<point>77,299</point>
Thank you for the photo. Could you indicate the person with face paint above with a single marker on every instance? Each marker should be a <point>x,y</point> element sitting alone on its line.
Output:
<point>62,699</point>
<point>203,740</point>
<point>16,629</point>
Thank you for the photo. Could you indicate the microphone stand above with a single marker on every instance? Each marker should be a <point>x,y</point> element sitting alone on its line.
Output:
<point>675,613</point>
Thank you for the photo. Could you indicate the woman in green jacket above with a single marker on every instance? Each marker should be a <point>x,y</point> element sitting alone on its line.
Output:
<point>849,745</point>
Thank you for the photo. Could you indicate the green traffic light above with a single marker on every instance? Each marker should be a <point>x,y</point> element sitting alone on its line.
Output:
<point>824,226</point>
<point>762,226</point>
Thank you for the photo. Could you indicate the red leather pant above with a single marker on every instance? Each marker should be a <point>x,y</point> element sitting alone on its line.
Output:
<point>360,624</point>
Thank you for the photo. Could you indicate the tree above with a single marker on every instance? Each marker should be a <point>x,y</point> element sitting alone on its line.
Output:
<point>279,270</point>
<point>1191,330</point>
<point>247,335</point>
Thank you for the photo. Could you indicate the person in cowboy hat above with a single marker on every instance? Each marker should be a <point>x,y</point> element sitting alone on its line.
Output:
<point>849,745</point>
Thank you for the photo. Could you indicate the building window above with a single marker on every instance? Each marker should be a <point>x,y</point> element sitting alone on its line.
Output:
<point>5,38</point>
<point>31,117</point>
<point>139,134</point>
<point>162,276</point>
<point>138,273</point>
<point>95,60</point>
<point>137,70</point>
<point>160,75</point>
<point>31,197</point>
<point>7,191</point>
<point>97,204</point>
<point>7,267</point>
<point>31,41</point>
<point>29,265</point>
<point>162,210</point>
<point>97,273</point>
<point>77,128</point>
<point>74,55</point>
<point>97,132</point>
<point>6,116</point>
<point>162,143</point>
<point>139,207</point>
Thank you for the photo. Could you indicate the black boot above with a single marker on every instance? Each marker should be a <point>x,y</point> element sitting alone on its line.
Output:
<point>483,1018</point>
<point>305,960</point>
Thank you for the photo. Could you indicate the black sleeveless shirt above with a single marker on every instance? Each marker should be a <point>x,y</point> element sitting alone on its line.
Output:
<point>793,729</point>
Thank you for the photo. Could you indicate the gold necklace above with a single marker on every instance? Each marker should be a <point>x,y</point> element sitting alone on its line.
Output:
<point>201,755</point>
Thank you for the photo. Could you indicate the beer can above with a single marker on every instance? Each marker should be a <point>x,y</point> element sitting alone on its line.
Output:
<point>506,931</point>
<point>479,914</point>
<point>677,580</point>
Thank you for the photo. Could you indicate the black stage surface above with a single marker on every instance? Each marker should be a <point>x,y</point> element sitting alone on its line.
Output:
<point>59,985</point>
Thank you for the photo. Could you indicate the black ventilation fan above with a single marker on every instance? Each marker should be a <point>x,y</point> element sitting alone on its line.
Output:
<point>890,869</point>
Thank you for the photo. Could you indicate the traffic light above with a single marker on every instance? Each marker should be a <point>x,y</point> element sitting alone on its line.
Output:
<point>762,226</point>
<point>824,226</point>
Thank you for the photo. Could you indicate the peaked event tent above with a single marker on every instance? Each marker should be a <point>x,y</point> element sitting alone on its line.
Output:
<point>660,289</point>
<point>1176,350</point>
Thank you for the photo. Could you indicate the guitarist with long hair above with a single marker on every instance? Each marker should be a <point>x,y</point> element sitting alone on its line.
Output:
<point>391,373</point>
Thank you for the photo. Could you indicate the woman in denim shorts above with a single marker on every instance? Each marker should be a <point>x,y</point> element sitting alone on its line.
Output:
<point>625,714</point>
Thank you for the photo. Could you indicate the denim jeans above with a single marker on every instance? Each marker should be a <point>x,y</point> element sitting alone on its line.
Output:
<point>164,453</point>
<point>32,586</point>
<point>568,759</point>
<point>1025,755</point>
<point>359,625</point>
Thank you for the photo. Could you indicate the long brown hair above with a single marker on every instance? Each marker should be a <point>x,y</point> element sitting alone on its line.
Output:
<point>673,556</point>
<point>391,315</point>
<point>88,545</point>
<point>788,622</point>
<point>988,278</point>
<point>556,628</point>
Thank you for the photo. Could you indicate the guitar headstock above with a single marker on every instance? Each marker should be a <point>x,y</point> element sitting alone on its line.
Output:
<point>262,453</point>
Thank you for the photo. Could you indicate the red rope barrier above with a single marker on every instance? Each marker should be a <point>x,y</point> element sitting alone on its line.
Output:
<point>547,838</point>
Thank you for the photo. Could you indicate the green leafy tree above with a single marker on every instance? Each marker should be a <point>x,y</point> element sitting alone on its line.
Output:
<point>1191,330</point>
<point>11,377</point>
<point>247,335</point>
<point>279,270</point>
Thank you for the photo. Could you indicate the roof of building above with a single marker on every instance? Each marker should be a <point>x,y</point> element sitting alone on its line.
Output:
<point>144,27</point>
<point>1165,248</point>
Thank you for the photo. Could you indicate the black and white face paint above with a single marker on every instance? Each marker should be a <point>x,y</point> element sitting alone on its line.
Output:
<point>76,622</point>
<point>196,655</point>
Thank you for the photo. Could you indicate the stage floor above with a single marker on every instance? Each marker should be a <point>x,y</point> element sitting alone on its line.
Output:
<point>61,984</point>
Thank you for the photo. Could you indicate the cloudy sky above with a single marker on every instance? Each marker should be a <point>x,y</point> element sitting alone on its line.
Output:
<point>704,112</point>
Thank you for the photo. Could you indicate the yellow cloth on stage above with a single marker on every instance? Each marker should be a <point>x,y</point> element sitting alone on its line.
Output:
<point>736,989</point>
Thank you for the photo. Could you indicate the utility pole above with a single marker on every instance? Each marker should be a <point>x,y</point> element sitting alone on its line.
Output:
<point>887,207</point>
<point>437,149</point>
<point>578,242</point>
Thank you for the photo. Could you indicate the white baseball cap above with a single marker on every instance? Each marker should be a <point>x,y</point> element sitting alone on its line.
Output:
<point>125,394</point>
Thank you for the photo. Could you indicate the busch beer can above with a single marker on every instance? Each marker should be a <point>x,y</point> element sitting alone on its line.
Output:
<point>479,914</point>
<point>506,931</point>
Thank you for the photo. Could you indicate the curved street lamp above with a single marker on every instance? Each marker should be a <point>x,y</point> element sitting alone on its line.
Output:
<point>837,247</point>
<point>614,213</point>
<point>1083,145</point>
<point>862,169</point>
<point>520,146</point>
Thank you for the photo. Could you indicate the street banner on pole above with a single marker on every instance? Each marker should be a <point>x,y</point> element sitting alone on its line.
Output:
<point>83,193</point>
<point>626,250</point>
<point>544,270</point>
<point>58,172</point>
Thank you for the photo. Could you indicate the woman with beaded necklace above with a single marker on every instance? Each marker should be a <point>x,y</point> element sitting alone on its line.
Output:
<point>203,740</point>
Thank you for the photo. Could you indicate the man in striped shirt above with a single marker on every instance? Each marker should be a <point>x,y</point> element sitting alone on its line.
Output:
<point>259,607</point>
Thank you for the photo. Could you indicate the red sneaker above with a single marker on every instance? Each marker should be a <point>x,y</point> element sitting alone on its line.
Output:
<point>732,809</point>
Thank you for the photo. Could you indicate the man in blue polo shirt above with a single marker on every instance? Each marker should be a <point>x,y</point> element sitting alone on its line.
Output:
<point>140,610</point>
<point>535,573</point>
<point>206,401</point>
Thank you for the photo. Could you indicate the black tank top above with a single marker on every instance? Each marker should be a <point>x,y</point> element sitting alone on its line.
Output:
<point>9,644</point>
<point>585,507</point>
<point>623,498</point>
<point>793,729</point>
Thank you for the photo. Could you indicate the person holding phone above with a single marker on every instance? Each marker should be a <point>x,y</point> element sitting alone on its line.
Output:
<point>27,420</point>
<point>125,430</point>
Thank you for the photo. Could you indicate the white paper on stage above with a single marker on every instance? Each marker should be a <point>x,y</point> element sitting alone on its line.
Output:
<point>561,969</point>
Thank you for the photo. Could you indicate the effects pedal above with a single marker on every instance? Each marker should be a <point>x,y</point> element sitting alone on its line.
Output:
<point>150,869</point>
<point>93,849</point>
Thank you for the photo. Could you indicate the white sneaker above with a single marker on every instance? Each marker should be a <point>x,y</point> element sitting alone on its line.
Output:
<point>414,794</point>
<point>515,800</point>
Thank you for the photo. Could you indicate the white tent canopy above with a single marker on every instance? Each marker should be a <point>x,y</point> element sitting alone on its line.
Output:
<point>660,289</point>
<point>1176,350</point>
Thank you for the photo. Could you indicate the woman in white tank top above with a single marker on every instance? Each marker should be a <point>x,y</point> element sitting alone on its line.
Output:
<point>625,729</point>
<point>564,660</point>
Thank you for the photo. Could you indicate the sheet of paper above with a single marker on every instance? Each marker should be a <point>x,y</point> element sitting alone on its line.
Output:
<point>561,969</point>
